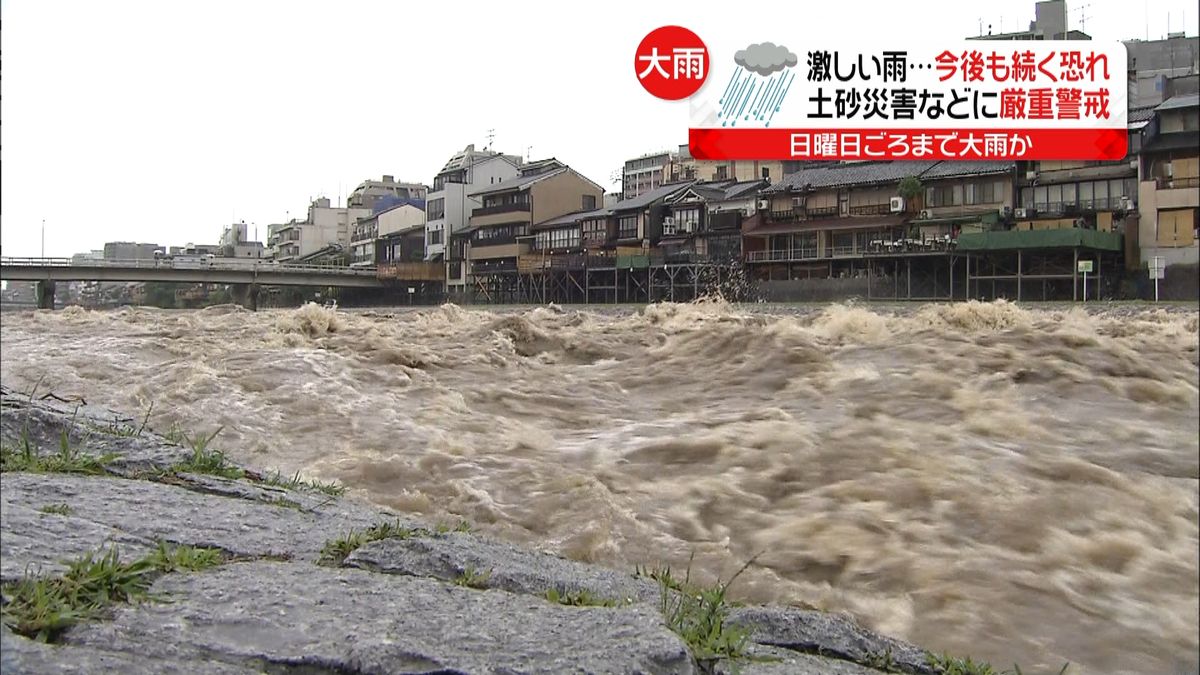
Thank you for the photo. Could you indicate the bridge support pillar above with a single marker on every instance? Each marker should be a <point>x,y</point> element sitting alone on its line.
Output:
<point>245,295</point>
<point>45,294</point>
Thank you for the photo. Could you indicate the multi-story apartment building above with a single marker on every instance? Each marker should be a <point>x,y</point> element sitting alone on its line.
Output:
<point>378,194</point>
<point>407,215</point>
<point>646,173</point>
<point>235,242</point>
<point>326,228</point>
<point>687,167</point>
<point>450,204</point>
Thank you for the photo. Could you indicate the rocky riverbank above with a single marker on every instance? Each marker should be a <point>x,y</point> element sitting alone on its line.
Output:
<point>225,569</point>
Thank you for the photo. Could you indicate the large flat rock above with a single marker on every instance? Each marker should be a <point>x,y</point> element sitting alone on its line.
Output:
<point>508,567</point>
<point>21,656</point>
<point>150,511</point>
<point>825,634</point>
<point>290,615</point>
<point>38,543</point>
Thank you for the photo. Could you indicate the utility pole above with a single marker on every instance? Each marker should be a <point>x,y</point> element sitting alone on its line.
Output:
<point>43,237</point>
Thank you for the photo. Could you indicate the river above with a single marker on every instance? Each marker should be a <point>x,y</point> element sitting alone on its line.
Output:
<point>1017,484</point>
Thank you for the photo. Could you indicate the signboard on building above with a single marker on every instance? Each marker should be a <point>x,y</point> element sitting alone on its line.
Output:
<point>1085,266</point>
<point>913,99</point>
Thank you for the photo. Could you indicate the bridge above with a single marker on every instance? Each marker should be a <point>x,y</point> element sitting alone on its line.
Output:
<point>244,275</point>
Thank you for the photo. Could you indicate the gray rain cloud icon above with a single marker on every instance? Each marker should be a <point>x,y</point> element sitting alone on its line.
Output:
<point>765,58</point>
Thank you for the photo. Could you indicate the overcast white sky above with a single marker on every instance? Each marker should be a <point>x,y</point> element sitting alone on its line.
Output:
<point>165,121</point>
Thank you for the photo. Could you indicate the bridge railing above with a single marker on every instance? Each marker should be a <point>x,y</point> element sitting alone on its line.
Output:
<point>220,264</point>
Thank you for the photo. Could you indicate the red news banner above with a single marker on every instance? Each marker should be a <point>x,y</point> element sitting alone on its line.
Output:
<point>970,100</point>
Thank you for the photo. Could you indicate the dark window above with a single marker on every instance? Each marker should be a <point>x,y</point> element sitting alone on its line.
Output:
<point>722,172</point>
<point>435,236</point>
<point>627,227</point>
<point>435,209</point>
<point>589,202</point>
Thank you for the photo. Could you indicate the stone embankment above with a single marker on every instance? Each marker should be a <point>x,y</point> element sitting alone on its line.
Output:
<point>222,569</point>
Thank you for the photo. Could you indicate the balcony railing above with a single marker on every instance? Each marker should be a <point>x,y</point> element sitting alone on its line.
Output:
<point>871,210</point>
<point>412,271</point>
<point>783,255</point>
<point>1177,183</point>
<point>500,208</point>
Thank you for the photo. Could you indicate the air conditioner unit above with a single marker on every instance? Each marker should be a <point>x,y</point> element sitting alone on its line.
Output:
<point>1127,204</point>
<point>1022,212</point>
<point>1030,175</point>
<point>896,204</point>
<point>764,204</point>
<point>926,214</point>
<point>668,225</point>
<point>1006,211</point>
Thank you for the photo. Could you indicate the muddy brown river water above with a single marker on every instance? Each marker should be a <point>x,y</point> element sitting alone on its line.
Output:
<point>1017,484</point>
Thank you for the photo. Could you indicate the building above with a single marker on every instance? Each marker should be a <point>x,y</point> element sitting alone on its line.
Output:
<point>407,215</point>
<point>500,230</point>
<point>1050,23</point>
<point>374,195</point>
<point>326,229</point>
<point>235,242</point>
<point>1168,187</point>
<point>127,250</point>
<point>449,207</point>
<point>704,222</point>
<point>648,172</point>
<point>686,167</point>
<point>1155,65</point>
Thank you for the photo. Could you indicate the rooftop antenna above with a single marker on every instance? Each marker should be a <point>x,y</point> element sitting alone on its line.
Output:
<point>1083,17</point>
<point>528,153</point>
<point>491,136</point>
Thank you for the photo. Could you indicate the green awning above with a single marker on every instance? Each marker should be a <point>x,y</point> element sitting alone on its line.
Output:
<point>1027,239</point>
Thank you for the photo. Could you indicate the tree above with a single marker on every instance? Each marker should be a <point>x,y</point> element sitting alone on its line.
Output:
<point>910,188</point>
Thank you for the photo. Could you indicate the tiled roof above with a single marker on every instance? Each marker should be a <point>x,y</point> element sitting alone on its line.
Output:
<point>861,173</point>
<point>1142,114</point>
<point>952,168</point>
<point>570,218</point>
<point>520,182</point>
<point>875,173</point>
<point>646,198</point>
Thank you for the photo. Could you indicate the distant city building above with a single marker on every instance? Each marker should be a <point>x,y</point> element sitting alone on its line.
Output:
<point>370,192</point>
<point>127,250</point>
<point>327,227</point>
<point>646,173</point>
<point>236,243</point>
<point>1050,23</point>
<point>1160,69</point>
<point>449,207</point>
<point>1168,195</point>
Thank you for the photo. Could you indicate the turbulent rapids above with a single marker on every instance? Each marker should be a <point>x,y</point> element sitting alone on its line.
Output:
<point>1014,484</point>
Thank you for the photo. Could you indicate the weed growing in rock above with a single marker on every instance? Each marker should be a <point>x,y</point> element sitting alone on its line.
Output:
<point>697,614</point>
<point>297,483</point>
<point>473,578</point>
<point>582,598</point>
<point>68,459</point>
<point>445,528</point>
<point>945,664</point>
<point>204,460</point>
<point>42,607</point>
<point>57,509</point>
<point>660,574</point>
<point>171,558</point>
<point>335,551</point>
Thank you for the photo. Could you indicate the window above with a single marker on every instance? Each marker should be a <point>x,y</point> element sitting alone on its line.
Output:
<point>595,232</point>
<point>435,209</point>
<point>687,220</point>
<point>722,172</point>
<point>627,227</point>
<point>943,195</point>
<point>435,237</point>
<point>980,193</point>
<point>589,202</point>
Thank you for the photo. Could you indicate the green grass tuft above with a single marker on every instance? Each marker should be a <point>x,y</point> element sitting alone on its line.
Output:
<point>68,459</point>
<point>473,578</point>
<point>445,528</point>
<point>57,509</point>
<point>42,607</point>
<point>203,460</point>
<point>944,664</point>
<point>335,551</point>
<point>297,483</point>
<point>583,598</point>
<point>697,614</point>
